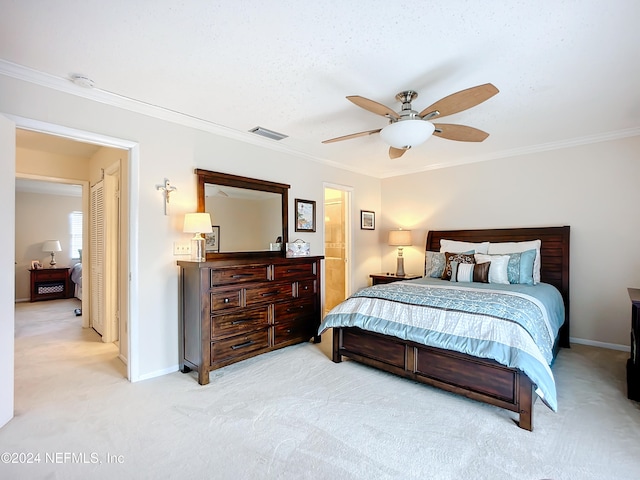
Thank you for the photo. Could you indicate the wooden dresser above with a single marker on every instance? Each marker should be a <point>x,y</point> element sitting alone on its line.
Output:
<point>234,309</point>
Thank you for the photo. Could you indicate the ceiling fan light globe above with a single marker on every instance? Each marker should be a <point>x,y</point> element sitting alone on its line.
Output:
<point>407,133</point>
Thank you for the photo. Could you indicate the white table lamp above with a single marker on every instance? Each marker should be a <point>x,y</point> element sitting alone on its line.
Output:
<point>400,239</point>
<point>197,223</point>
<point>52,246</point>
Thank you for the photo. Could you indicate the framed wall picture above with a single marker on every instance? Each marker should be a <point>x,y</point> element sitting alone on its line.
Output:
<point>305,215</point>
<point>212,240</point>
<point>367,220</point>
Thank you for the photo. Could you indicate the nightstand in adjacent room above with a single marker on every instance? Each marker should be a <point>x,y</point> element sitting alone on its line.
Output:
<point>49,283</point>
<point>633,364</point>
<point>379,278</point>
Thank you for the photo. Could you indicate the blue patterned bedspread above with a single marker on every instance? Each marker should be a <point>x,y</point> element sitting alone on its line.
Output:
<point>516,325</point>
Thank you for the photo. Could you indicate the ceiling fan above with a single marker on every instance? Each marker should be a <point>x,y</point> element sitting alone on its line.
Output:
<point>408,128</point>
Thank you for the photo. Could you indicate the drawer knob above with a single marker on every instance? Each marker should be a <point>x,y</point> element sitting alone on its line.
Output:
<point>226,300</point>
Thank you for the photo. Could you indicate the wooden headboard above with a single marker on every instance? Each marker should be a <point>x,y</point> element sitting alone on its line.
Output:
<point>554,254</point>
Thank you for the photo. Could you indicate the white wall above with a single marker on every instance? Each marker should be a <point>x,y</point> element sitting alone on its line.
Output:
<point>592,188</point>
<point>41,217</point>
<point>172,151</point>
<point>7,245</point>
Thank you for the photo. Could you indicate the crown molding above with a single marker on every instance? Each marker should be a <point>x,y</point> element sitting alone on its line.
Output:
<point>108,98</point>
<point>516,152</point>
<point>112,99</point>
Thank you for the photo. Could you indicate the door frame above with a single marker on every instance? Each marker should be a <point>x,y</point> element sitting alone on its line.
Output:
<point>348,233</point>
<point>84,184</point>
<point>133,148</point>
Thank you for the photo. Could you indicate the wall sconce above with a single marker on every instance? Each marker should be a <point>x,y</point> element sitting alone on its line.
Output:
<point>166,188</point>
<point>400,238</point>
<point>197,223</point>
<point>52,246</point>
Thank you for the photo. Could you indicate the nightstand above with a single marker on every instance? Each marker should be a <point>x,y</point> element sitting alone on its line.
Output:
<point>49,283</point>
<point>379,278</point>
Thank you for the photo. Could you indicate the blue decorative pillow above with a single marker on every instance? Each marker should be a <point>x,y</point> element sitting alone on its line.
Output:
<point>513,268</point>
<point>434,264</point>
<point>520,267</point>
<point>527,260</point>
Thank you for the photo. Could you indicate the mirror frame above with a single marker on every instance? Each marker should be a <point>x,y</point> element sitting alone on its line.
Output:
<point>226,179</point>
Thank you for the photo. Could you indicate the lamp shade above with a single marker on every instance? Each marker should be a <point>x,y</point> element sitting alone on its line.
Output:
<point>197,223</point>
<point>407,133</point>
<point>400,238</point>
<point>51,246</point>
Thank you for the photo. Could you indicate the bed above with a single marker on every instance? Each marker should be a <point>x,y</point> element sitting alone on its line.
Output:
<point>76,278</point>
<point>361,333</point>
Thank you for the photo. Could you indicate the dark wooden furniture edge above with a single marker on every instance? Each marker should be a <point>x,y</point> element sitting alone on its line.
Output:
<point>463,374</point>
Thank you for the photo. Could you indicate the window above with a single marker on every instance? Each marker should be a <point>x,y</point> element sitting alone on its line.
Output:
<point>75,220</point>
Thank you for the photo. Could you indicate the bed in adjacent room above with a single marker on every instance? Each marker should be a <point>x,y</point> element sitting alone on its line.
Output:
<point>486,321</point>
<point>76,278</point>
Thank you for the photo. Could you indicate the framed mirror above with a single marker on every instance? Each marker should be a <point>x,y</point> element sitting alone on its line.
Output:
<point>248,215</point>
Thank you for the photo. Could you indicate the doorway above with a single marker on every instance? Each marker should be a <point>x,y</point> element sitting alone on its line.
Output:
<point>125,215</point>
<point>336,244</point>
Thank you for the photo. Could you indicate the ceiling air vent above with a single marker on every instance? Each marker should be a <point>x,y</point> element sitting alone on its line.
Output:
<point>268,133</point>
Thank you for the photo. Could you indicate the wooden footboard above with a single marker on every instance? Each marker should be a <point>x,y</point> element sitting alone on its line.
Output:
<point>479,379</point>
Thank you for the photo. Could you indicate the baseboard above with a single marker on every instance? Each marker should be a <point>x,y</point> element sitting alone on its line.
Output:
<point>159,373</point>
<point>21,300</point>
<point>593,343</point>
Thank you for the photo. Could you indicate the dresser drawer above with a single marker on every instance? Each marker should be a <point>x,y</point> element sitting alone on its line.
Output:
<point>288,311</point>
<point>300,329</point>
<point>294,271</point>
<point>274,292</point>
<point>306,288</point>
<point>239,345</point>
<point>223,298</point>
<point>51,274</point>
<point>239,323</point>
<point>248,273</point>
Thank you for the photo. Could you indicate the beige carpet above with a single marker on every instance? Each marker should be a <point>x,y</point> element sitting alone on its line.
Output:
<point>293,414</point>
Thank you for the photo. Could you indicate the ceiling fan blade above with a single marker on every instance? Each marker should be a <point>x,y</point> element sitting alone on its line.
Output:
<point>462,100</point>
<point>461,133</point>
<point>397,152</point>
<point>372,106</point>
<point>353,135</point>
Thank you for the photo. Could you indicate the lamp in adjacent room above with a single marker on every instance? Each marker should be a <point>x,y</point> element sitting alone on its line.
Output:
<point>197,223</point>
<point>52,246</point>
<point>400,238</point>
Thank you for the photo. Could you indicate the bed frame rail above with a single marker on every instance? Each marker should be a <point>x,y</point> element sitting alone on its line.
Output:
<point>479,379</point>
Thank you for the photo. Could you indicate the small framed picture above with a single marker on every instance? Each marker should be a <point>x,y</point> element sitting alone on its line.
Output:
<point>35,265</point>
<point>212,240</point>
<point>367,220</point>
<point>305,215</point>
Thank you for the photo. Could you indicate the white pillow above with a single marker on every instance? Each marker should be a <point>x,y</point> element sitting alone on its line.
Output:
<point>519,247</point>
<point>497,269</point>
<point>454,246</point>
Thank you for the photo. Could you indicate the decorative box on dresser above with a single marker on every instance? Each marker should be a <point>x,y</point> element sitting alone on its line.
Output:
<point>235,309</point>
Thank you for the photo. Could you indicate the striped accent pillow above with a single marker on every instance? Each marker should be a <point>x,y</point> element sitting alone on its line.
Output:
<point>470,272</point>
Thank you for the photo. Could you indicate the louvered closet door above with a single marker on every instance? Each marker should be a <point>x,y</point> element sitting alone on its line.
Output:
<point>97,252</point>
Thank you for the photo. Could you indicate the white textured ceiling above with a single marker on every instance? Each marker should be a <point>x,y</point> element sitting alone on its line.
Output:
<point>568,71</point>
